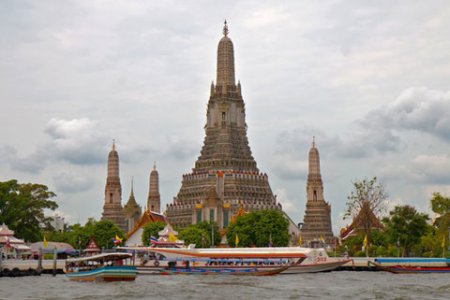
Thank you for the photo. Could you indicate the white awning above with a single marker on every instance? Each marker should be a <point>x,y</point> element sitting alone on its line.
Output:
<point>21,247</point>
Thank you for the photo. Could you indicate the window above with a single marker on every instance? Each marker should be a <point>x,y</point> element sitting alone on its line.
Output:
<point>211,215</point>
<point>199,216</point>
<point>225,218</point>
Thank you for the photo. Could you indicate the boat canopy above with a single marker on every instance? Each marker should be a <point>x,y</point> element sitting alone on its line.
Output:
<point>103,257</point>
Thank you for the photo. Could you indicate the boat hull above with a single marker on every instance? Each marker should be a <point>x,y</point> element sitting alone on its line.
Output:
<point>315,268</point>
<point>109,273</point>
<point>223,271</point>
<point>411,269</point>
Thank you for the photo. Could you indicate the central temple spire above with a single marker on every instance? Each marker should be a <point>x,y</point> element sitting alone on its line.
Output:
<point>225,174</point>
<point>225,60</point>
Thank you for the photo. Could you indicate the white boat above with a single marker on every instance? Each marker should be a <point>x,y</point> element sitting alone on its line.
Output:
<point>102,267</point>
<point>317,261</point>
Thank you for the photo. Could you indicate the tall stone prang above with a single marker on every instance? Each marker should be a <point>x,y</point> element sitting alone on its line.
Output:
<point>112,208</point>
<point>317,219</point>
<point>225,165</point>
<point>132,211</point>
<point>154,199</point>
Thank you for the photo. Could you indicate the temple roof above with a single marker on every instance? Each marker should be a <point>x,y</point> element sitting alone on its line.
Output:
<point>5,231</point>
<point>357,224</point>
<point>147,217</point>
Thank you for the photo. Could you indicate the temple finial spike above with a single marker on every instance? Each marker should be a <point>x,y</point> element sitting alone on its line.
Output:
<point>225,28</point>
<point>314,142</point>
<point>114,144</point>
<point>154,165</point>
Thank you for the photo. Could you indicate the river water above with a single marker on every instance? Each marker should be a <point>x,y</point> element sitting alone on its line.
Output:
<point>332,285</point>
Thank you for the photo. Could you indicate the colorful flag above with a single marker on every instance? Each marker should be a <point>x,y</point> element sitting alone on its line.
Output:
<point>322,239</point>
<point>45,242</point>
<point>153,240</point>
<point>366,242</point>
<point>172,237</point>
<point>117,240</point>
<point>236,242</point>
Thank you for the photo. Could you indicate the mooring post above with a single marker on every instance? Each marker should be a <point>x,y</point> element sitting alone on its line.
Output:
<point>54,261</point>
<point>39,267</point>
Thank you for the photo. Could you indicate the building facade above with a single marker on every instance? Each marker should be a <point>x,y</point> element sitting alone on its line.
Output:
<point>112,207</point>
<point>317,219</point>
<point>225,174</point>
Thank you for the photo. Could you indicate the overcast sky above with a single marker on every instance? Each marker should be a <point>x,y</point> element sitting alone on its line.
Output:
<point>369,79</point>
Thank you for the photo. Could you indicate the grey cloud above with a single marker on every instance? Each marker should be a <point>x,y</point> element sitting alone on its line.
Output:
<point>70,182</point>
<point>420,109</point>
<point>181,149</point>
<point>290,160</point>
<point>422,169</point>
<point>77,141</point>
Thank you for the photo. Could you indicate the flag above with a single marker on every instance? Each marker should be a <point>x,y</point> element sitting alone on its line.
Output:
<point>300,239</point>
<point>117,240</point>
<point>153,240</point>
<point>172,237</point>
<point>366,242</point>
<point>45,242</point>
<point>443,242</point>
<point>236,242</point>
<point>322,239</point>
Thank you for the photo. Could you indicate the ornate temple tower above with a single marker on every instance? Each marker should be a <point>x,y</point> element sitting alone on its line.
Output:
<point>317,220</point>
<point>225,164</point>
<point>112,208</point>
<point>132,211</point>
<point>154,199</point>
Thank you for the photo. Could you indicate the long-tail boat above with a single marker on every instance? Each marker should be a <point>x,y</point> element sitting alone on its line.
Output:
<point>102,267</point>
<point>229,261</point>
<point>405,269</point>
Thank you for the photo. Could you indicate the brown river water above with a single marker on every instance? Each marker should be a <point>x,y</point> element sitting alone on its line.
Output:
<point>332,285</point>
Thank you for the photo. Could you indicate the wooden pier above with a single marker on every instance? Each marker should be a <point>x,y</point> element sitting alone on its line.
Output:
<point>30,267</point>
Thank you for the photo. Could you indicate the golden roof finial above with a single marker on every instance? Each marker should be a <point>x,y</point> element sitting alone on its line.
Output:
<point>225,28</point>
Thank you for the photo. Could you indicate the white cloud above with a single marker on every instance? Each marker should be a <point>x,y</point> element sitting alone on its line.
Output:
<point>290,206</point>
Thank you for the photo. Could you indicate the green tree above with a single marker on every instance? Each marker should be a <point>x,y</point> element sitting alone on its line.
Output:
<point>407,226</point>
<point>151,229</point>
<point>258,227</point>
<point>441,205</point>
<point>206,226</point>
<point>22,208</point>
<point>366,201</point>
<point>104,232</point>
<point>195,235</point>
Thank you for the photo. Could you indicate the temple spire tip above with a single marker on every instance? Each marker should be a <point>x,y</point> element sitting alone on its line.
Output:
<point>225,28</point>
